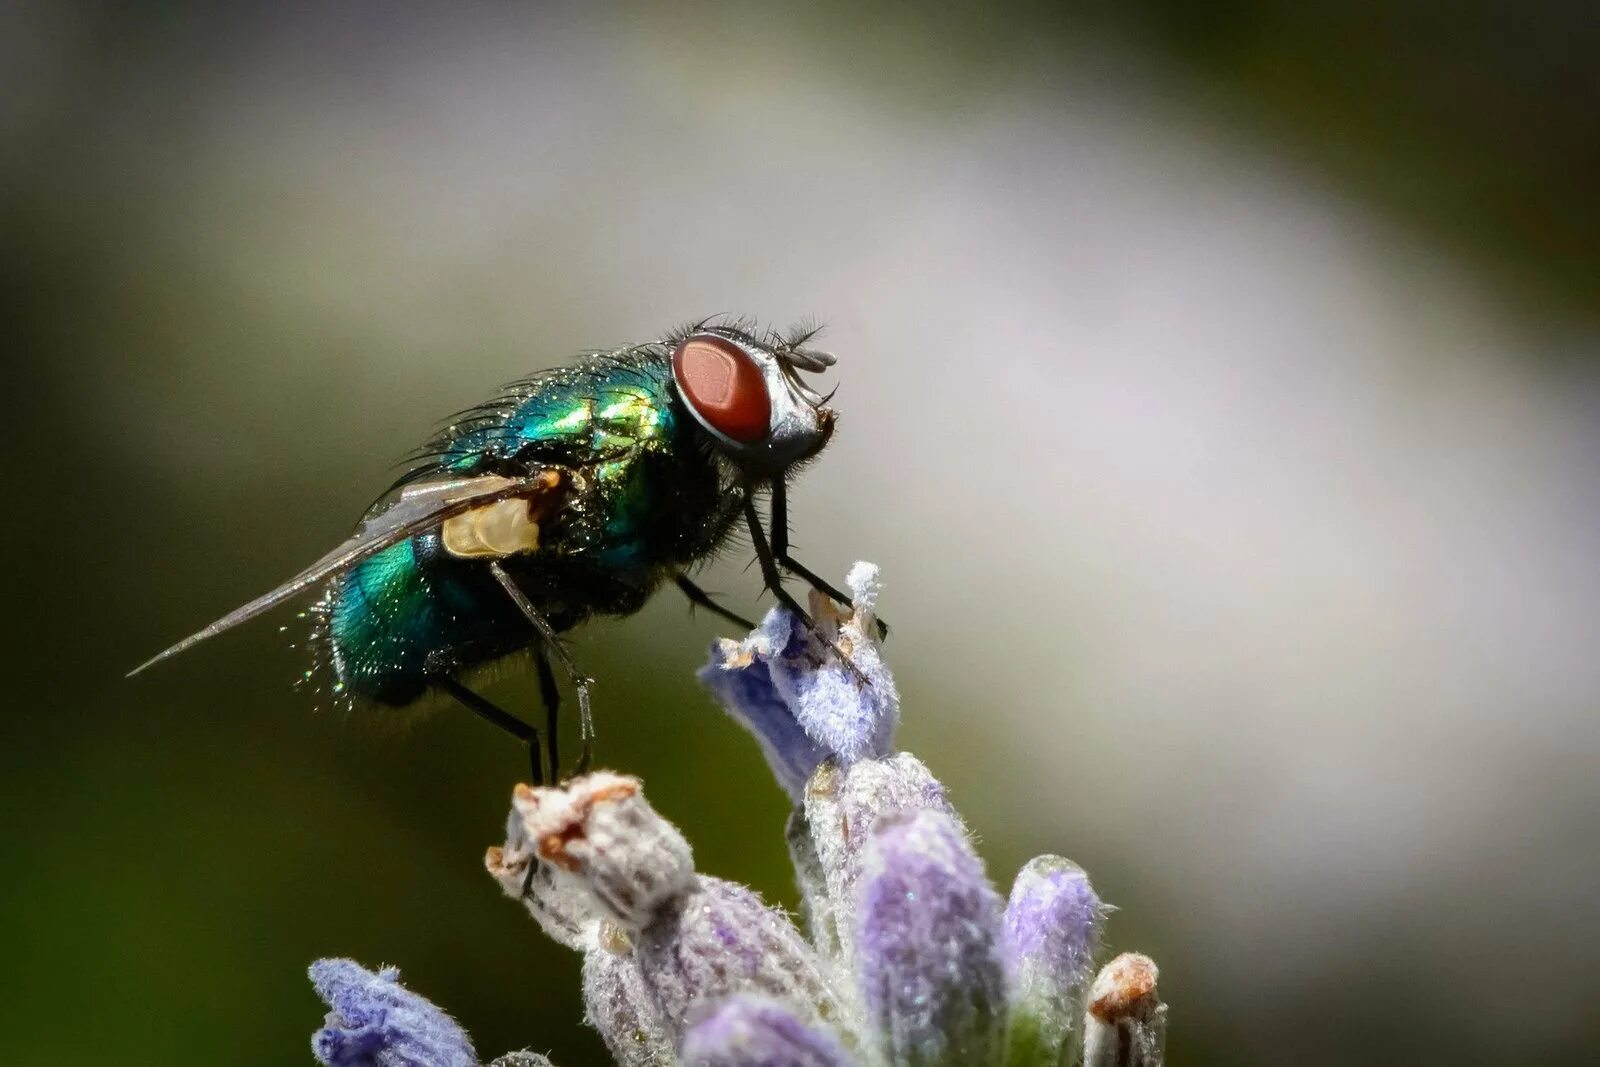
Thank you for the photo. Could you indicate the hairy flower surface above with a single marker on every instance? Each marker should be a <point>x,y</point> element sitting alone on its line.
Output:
<point>1052,932</point>
<point>621,1005</point>
<point>928,947</point>
<point>804,705</point>
<point>374,1021</point>
<point>908,956</point>
<point>743,1029</point>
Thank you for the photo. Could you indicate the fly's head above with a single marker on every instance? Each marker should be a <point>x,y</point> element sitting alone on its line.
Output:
<point>747,395</point>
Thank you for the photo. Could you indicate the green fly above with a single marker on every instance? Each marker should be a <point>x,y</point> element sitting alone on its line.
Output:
<point>577,491</point>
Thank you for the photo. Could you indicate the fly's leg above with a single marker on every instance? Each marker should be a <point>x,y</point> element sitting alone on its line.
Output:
<point>552,644</point>
<point>494,715</point>
<point>552,704</point>
<point>551,695</point>
<point>701,599</point>
<point>774,580</point>
<point>780,550</point>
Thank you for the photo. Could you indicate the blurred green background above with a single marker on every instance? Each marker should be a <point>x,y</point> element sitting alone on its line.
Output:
<point>1220,400</point>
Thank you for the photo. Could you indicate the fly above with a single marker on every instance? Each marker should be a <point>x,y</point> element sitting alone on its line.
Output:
<point>578,491</point>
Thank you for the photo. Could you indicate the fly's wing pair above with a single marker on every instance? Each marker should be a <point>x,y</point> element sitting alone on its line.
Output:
<point>421,507</point>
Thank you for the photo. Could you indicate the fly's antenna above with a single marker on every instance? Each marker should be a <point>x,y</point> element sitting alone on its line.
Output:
<point>794,358</point>
<point>811,360</point>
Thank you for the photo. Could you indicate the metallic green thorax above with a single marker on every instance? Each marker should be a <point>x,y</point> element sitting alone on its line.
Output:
<point>646,495</point>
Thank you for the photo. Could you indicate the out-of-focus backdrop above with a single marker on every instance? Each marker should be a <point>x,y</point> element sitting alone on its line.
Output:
<point>1220,398</point>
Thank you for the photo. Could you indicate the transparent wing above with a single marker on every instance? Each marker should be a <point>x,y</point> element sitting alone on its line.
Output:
<point>420,507</point>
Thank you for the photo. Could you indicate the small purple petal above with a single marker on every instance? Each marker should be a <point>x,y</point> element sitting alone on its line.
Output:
<point>929,945</point>
<point>377,1022</point>
<point>751,1031</point>
<point>1052,931</point>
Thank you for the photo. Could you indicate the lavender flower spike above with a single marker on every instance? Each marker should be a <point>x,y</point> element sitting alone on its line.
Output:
<point>803,704</point>
<point>751,1031</point>
<point>1127,1024</point>
<point>374,1021</point>
<point>929,946</point>
<point>913,960</point>
<point>1052,931</point>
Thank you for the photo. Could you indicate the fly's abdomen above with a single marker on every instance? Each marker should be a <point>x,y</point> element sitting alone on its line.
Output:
<point>409,610</point>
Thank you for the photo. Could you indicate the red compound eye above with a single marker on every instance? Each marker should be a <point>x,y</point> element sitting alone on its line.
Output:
<point>724,386</point>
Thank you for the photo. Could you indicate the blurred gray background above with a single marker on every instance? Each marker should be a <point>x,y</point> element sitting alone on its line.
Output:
<point>1219,395</point>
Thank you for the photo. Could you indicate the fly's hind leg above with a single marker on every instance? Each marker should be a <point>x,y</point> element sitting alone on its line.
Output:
<point>702,599</point>
<point>552,644</point>
<point>442,679</point>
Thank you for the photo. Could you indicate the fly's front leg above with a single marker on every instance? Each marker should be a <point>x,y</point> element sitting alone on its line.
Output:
<point>780,550</point>
<point>552,644</point>
<point>774,580</point>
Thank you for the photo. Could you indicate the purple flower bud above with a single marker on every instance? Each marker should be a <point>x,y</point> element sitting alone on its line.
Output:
<point>751,1031</point>
<point>791,691</point>
<point>374,1021</point>
<point>721,939</point>
<point>1126,1025</point>
<point>842,808</point>
<point>929,945</point>
<point>621,1006</point>
<point>1052,931</point>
